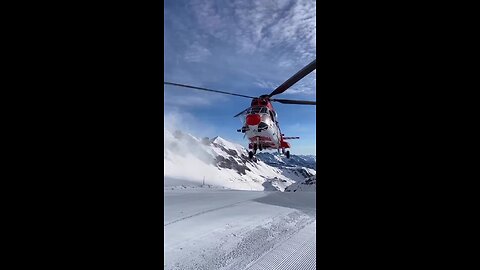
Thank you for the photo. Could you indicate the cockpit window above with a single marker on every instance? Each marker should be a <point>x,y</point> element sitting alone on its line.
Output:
<point>255,110</point>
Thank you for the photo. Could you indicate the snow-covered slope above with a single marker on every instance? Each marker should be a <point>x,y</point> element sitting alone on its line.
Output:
<point>219,162</point>
<point>309,184</point>
<point>277,160</point>
<point>232,229</point>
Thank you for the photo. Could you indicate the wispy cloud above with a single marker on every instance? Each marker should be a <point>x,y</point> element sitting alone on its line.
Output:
<point>175,119</point>
<point>305,86</point>
<point>269,86</point>
<point>253,25</point>
<point>240,45</point>
<point>197,53</point>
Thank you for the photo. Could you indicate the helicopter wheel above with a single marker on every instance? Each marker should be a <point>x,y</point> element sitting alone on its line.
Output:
<point>250,154</point>
<point>254,148</point>
<point>260,147</point>
<point>287,154</point>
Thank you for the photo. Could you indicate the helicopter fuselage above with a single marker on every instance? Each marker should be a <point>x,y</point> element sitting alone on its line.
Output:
<point>263,131</point>
<point>261,126</point>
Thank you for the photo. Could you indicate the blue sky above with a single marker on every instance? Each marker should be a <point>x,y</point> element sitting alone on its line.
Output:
<point>246,47</point>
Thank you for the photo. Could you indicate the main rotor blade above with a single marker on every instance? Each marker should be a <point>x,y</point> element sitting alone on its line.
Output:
<point>206,89</point>
<point>291,138</point>
<point>291,101</point>
<point>295,78</point>
<point>242,112</point>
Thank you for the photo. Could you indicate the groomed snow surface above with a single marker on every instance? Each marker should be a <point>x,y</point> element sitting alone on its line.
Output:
<point>247,214</point>
<point>230,229</point>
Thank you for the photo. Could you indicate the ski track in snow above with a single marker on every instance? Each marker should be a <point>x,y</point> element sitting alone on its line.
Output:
<point>203,212</point>
<point>239,230</point>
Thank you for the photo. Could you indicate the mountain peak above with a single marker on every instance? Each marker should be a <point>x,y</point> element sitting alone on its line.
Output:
<point>217,139</point>
<point>225,143</point>
<point>226,164</point>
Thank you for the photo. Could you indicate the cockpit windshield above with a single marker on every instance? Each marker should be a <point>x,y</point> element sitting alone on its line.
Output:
<point>255,110</point>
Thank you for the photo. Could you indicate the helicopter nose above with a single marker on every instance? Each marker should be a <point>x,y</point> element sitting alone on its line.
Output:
<point>253,119</point>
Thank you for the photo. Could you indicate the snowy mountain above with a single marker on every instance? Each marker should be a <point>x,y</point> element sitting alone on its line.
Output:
<point>221,163</point>
<point>280,161</point>
<point>309,184</point>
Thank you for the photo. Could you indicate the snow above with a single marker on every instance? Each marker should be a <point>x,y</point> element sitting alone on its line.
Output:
<point>224,211</point>
<point>308,185</point>
<point>277,159</point>
<point>221,141</point>
<point>299,252</point>
<point>230,229</point>
<point>224,164</point>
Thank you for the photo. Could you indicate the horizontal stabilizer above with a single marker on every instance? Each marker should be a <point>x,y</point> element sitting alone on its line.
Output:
<point>290,138</point>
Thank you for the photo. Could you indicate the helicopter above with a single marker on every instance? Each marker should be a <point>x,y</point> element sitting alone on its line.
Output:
<point>261,126</point>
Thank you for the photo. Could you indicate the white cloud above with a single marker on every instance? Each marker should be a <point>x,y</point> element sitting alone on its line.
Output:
<point>197,53</point>
<point>245,42</point>
<point>175,119</point>
<point>305,86</point>
<point>260,25</point>
<point>266,85</point>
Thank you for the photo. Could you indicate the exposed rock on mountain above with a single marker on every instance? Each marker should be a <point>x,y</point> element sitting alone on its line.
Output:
<point>309,184</point>
<point>222,163</point>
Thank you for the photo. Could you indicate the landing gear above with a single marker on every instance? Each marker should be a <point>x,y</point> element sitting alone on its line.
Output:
<point>287,154</point>
<point>254,148</point>
<point>260,147</point>
<point>250,155</point>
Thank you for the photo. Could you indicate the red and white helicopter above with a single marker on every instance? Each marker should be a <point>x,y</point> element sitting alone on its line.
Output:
<point>261,125</point>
